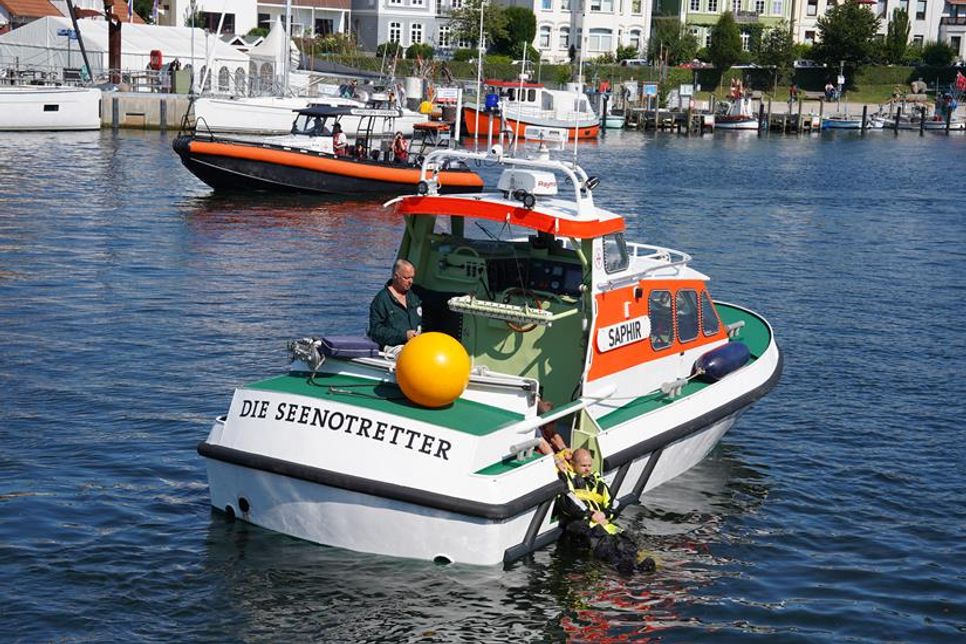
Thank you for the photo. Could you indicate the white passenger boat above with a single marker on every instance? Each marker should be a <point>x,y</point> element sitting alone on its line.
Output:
<point>267,115</point>
<point>41,107</point>
<point>527,296</point>
<point>530,111</point>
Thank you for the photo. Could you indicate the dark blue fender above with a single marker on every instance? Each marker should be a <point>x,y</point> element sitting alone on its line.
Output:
<point>718,363</point>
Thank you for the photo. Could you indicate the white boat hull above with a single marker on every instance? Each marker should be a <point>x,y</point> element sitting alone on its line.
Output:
<point>721,123</point>
<point>49,108</point>
<point>871,123</point>
<point>274,115</point>
<point>419,514</point>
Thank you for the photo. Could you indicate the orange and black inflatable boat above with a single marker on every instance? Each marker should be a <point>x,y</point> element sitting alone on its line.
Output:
<point>235,165</point>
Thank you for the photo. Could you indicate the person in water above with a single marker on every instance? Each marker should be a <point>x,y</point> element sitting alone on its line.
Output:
<point>589,513</point>
<point>396,312</point>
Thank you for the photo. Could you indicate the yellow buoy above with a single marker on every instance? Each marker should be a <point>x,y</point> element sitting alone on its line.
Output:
<point>433,369</point>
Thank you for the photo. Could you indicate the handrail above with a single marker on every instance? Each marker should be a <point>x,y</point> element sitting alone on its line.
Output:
<point>672,259</point>
<point>573,172</point>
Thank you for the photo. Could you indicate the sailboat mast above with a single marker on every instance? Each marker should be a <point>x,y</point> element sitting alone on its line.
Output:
<point>80,41</point>
<point>288,44</point>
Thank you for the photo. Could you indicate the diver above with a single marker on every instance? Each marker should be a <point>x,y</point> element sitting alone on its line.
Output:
<point>588,514</point>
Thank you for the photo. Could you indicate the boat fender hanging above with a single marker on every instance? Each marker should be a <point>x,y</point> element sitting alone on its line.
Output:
<point>718,363</point>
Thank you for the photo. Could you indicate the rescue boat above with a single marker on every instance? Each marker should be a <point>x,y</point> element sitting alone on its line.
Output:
<point>530,111</point>
<point>541,298</point>
<point>306,160</point>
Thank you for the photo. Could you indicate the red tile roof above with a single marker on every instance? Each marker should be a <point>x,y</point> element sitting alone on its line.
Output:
<point>120,10</point>
<point>29,8</point>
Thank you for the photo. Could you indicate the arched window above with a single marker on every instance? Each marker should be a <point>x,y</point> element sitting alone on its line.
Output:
<point>224,79</point>
<point>266,76</point>
<point>543,42</point>
<point>240,88</point>
<point>634,40</point>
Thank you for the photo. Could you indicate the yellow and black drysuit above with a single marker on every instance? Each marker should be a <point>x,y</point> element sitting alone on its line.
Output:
<point>585,496</point>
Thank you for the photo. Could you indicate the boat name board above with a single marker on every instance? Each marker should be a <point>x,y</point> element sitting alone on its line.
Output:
<point>623,333</point>
<point>339,421</point>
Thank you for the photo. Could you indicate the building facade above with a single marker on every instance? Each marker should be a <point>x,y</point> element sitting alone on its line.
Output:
<point>309,17</point>
<point>700,16</point>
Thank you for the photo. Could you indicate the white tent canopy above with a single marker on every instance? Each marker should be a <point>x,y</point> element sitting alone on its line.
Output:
<point>38,45</point>
<point>268,57</point>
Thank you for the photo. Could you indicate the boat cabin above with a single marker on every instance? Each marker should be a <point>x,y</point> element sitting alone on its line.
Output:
<point>547,288</point>
<point>534,98</point>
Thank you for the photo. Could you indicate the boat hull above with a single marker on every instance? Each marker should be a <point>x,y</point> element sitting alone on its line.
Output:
<point>49,108</point>
<point>528,128</point>
<point>735,123</point>
<point>241,166</point>
<point>476,519</point>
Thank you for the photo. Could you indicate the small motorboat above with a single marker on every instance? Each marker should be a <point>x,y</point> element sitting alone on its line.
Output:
<point>430,452</point>
<point>306,159</point>
<point>852,122</point>
<point>530,111</point>
<point>736,114</point>
<point>614,120</point>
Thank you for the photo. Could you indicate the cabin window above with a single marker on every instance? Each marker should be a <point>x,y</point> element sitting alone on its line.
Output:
<point>662,324</point>
<point>686,306</point>
<point>709,317</point>
<point>531,95</point>
<point>615,253</point>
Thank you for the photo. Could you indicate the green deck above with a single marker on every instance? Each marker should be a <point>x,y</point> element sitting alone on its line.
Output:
<point>463,415</point>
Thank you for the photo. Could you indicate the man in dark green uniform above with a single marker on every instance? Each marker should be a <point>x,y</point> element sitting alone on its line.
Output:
<point>396,311</point>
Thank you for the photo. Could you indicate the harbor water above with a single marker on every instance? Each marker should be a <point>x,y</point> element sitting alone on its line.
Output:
<point>133,301</point>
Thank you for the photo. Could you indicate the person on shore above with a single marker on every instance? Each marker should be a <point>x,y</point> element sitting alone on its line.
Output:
<point>588,513</point>
<point>395,315</point>
<point>829,91</point>
<point>340,143</point>
<point>793,92</point>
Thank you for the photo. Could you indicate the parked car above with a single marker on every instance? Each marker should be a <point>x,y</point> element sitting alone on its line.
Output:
<point>635,62</point>
<point>804,63</point>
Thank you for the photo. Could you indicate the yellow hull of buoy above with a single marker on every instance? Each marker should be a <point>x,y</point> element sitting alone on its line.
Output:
<point>433,369</point>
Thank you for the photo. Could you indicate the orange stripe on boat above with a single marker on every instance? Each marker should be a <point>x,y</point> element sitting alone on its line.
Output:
<point>333,165</point>
<point>533,219</point>
<point>610,311</point>
<point>518,127</point>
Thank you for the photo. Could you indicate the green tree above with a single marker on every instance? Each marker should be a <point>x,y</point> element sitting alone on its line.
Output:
<point>521,30</point>
<point>778,51</point>
<point>845,35</point>
<point>937,54</point>
<point>725,48</point>
<point>420,49</point>
<point>897,36</point>
<point>671,40</point>
<point>465,22</point>
<point>623,53</point>
<point>389,50</point>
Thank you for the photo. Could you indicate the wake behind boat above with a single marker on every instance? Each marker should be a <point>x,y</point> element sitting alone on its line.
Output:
<point>307,160</point>
<point>527,297</point>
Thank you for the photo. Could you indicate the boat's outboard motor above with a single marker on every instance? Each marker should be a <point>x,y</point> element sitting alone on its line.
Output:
<point>718,363</point>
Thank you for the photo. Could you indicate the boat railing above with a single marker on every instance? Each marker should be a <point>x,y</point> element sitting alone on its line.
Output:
<point>658,258</point>
<point>574,173</point>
